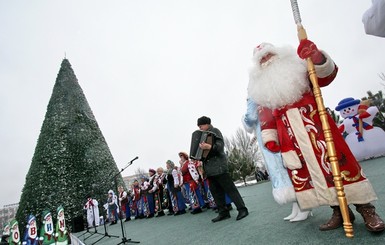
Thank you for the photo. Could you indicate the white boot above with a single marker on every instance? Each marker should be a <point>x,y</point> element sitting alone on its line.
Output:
<point>302,215</point>
<point>294,211</point>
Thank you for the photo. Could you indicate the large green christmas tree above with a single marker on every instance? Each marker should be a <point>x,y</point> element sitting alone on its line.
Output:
<point>71,159</point>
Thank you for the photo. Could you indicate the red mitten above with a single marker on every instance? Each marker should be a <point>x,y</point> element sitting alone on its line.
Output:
<point>307,49</point>
<point>272,146</point>
<point>363,115</point>
<point>341,128</point>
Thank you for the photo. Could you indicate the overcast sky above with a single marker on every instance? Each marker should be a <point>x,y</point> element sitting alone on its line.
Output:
<point>150,68</point>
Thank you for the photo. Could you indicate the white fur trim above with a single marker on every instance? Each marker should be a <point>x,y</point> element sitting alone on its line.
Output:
<point>269,135</point>
<point>325,69</point>
<point>304,143</point>
<point>356,193</point>
<point>284,195</point>
<point>291,160</point>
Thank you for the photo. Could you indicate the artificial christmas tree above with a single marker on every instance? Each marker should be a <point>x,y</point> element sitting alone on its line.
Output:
<point>71,159</point>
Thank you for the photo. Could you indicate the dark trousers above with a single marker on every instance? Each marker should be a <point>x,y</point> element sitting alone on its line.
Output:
<point>223,184</point>
<point>151,202</point>
<point>128,210</point>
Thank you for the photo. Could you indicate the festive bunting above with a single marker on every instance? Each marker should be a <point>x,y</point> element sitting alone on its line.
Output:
<point>30,234</point>
<point>61,230</point>
<point>46,230</point>
<point>14,237</point>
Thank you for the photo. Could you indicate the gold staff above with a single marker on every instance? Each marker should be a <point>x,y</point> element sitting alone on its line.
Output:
<point>331,151</point>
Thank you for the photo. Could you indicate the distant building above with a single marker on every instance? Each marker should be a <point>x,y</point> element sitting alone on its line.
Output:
<point>128,180</point>
<point>7,213</point>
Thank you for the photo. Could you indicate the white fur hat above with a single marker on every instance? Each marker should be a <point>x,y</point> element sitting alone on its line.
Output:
<point>261,47</point>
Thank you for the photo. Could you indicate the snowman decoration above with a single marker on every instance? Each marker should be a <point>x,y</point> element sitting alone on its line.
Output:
<point>364,140</point>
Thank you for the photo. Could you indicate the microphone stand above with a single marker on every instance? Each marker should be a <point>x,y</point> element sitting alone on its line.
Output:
<point>105,232</point>
<point>85,224</point>
<point>124,239</point>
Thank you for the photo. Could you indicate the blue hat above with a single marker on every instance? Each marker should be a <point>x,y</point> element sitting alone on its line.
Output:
<point>346,103</point>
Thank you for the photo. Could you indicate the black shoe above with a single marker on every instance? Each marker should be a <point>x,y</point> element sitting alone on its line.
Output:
<point>150,216</point>
<point>113,223</point>
<point>221,217</point>
<point>127,219</point>
<point>196,211</point>
<point>183,211</point>
<point>160,214</point>
<point>242,213</point>
<point>171,213</point>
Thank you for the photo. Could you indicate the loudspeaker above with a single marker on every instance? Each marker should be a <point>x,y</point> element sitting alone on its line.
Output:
<point>77,224</point>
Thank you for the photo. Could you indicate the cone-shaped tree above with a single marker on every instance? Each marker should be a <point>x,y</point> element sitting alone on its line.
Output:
<point>71,159</point>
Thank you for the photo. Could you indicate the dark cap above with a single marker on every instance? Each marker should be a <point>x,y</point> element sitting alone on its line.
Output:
<point>203,120</point>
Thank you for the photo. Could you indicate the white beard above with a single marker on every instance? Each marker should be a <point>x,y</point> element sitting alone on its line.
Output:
<point>280,82</point>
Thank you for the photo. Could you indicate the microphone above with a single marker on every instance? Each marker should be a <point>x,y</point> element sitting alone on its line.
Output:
<point>128,164</point>
<point>134,159</point>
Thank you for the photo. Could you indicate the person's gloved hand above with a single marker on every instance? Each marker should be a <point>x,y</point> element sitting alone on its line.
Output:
<point>272,146</point>
<point>307,49</point>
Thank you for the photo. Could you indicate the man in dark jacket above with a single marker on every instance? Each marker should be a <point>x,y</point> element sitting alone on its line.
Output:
<point>217,172</point>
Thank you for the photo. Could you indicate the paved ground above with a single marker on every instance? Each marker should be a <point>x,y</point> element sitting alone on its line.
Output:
<point>264,225</point>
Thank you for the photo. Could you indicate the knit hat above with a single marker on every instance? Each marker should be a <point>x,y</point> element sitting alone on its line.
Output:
<point>261,48</point>
<point>6,229</point>
<point>45,214</point>
<point>203,120</point>
<point>31,218</point>
<point>59,209</point>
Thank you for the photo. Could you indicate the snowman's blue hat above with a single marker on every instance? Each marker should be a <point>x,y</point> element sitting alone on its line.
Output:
<point>346,103</point>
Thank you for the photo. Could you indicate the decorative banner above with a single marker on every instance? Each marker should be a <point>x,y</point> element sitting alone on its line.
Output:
<point>61,230</point>
<point>30,234</point>
<point>46,230</point>
<point>14,237</point>
<point>6,230</point>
